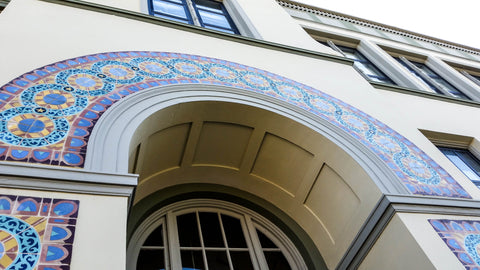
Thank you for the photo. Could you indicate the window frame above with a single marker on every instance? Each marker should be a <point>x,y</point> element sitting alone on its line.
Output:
<point>429,79</point>
<point>252,220</point>
<point>194,17</point>
<point>456,151</point>
<point>380,75</point>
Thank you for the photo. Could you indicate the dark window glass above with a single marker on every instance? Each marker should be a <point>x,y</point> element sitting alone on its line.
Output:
<point>188,230</point>
<point>211,230</point>
<point>464,161</point>
<point>265,241</point>
<point>233,232</point>
<point>192,259</point>
<point>155,238</point>
<point>151,259</point>
<point>276,260</point>
<point>241,260</point>
<point>217,260</point>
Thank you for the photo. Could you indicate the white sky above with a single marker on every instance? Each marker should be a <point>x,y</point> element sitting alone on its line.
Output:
<point>456,21</point>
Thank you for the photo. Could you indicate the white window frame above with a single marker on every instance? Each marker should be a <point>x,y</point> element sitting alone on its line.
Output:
<point>251,221</point>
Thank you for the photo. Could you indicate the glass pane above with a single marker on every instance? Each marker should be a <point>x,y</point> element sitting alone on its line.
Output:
<point>233,232</point>
<point>217,260</point>
<point>212,6</point>
<point>220,29</point>
<point>463,167</point>
<point>265,241</point>
<point>188,230</point>
<point>241,260</point>
<point>211,230</point>
<point>155,238</point>
<point>214,19</point>
<point>349,54</point>
<point>276,260</point>
<point>471,161</point>
<point>150,259</point>
<point>192,259</point>
<point>169,8</point>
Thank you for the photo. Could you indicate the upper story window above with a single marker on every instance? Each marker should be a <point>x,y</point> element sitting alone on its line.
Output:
<point>429,78</point>
<point>465,161</point>
<point>205,13</point>
<point>361,63</point>
<point>208,234</point>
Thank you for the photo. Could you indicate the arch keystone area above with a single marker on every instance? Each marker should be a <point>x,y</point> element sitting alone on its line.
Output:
<point>48,114</point>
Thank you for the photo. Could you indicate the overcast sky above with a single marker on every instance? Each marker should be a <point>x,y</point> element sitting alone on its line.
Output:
<point>457,21</point>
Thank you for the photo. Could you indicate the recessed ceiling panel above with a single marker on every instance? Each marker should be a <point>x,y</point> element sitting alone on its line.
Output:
<point>282,162</point>
<point>222,144</point>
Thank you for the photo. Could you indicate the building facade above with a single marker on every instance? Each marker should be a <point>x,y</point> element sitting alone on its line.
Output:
<point>242,134</point>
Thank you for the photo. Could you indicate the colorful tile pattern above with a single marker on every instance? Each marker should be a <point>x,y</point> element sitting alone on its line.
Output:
<point>36,233</point>
<point>463,239</point>
<point>47,115</point>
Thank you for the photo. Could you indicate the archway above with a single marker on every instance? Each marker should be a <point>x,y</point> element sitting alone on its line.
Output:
<point>61,103</point>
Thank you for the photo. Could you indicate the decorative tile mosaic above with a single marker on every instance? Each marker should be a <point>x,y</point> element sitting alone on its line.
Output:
<point>47,115</point>
<point>36,233</point>
<point>463,239</point>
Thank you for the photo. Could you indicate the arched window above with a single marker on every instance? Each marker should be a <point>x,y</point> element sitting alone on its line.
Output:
<point>210,234</point>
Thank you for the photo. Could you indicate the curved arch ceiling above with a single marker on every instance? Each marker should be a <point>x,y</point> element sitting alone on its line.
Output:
<point>47,115</point>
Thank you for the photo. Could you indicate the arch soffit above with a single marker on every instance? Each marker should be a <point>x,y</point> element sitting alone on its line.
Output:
<point>47,115</point>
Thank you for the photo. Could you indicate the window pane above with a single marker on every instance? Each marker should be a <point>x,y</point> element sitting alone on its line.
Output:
<point>168,8</point>
<point>212,6</point>
<point>233,232</point>
<point>464,161</point>
<point>188,230</point>
<point>220,29</point>
<point>217,260</point>
<point>151,259</point>
<point>365,66</point>
<point>241,260</point>
<point>276,260</point>
<point>211,230</point>
<point>265,241</point>
<point>192,259</point>
<point>155,238</point>
<point>471,161</point>
<point>214,19</point>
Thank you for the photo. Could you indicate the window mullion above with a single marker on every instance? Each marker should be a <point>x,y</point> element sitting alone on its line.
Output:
<point>256,246</point>
<point>173,242</point>
<point>425,76</point>
<point>225,243</point>
<point>193,12</point>
<point>204,253</point>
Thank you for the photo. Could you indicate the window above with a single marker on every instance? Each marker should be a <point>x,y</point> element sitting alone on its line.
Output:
<point>205,13</point>
<point>429,78</point>
<point>472,76</point>
<point>465,161</point>
<point>209,234</point>
<point>361,63</point>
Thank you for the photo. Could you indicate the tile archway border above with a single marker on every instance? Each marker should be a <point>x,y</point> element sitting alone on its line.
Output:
<point>47,115</point>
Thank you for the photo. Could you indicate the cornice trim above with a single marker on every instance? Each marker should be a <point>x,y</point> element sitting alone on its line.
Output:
<point>378,26</point>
